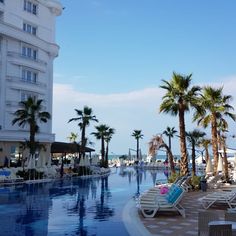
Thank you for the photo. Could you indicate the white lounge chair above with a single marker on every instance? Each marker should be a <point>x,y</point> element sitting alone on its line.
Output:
<point>223,197</point>
<point>168,202</point>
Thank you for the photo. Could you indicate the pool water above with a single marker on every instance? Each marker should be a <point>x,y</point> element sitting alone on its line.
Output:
<point>73,206</point>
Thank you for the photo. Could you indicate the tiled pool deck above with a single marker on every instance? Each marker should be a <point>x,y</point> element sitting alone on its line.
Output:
<point>171,223</point>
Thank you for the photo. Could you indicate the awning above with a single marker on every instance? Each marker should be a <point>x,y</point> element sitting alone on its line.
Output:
<point>61,147</point>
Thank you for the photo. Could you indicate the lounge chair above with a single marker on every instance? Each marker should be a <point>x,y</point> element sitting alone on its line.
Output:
<point>221,197</point>
<point>169,202</point>
<point>203,219</point>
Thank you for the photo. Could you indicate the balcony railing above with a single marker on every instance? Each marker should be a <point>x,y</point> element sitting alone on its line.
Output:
<point>24,81</point>
<point>19,55</point>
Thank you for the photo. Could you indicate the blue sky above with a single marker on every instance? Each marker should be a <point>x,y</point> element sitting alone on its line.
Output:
<point>114,54</point>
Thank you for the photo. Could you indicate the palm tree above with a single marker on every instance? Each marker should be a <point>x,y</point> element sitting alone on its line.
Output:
<point>84,117</point>
<point>204,142</point>
<point>73,136</point>
<point>107,140</point>
<point>155,144</point>
<point>194,138</point>
<point>137,134</point>
<point>222,128</point>
<point>30,114</point>
<point>178,99</point>
<point>213,105</point>
<point>101,135</point>
<point>169,132</point>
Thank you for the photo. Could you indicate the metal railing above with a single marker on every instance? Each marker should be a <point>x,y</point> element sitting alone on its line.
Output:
<point>20,55</point>
<point>25,81</point>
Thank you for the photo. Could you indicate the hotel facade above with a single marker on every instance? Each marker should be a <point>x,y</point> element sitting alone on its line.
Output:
<point>27,52</point>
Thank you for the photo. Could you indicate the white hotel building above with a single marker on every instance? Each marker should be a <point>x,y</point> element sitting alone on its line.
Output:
<point>27,51</point>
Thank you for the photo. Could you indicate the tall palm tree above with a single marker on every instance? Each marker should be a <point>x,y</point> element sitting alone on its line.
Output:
<point>30,114</point>
<point>169,132</point>
<point>194,138</point>
<point>107,140</point>
<point>84,117</point>
<point>137,134</point>
<point>205,143</point>
<point>100,135</point>
<point>222,128</point>
<point>178,99</point>
<point>213,105</point>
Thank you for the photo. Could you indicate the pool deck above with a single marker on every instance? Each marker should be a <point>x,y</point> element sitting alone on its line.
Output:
<point>171,223</point>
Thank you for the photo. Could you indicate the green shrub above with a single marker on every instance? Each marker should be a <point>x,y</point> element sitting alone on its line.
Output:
<point>173,177</point>
<point>195,181</point>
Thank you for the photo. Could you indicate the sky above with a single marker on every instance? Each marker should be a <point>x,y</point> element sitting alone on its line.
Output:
<point>114,55</point>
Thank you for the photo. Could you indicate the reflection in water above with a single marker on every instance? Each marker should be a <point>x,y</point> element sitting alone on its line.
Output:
<point>103,211</point>
<point>71,206</point>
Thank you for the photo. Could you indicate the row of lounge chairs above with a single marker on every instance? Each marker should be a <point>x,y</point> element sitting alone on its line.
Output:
<point>8,175</point>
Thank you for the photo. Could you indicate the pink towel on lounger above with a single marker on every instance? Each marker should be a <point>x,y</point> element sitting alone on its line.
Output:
<point>164,190</point>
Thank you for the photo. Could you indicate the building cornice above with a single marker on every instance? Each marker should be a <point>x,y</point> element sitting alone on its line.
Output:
<point>54,6</point>
<point>16,33</point>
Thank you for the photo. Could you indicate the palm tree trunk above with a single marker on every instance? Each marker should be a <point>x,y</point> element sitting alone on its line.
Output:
<point>214,142</point>
<point>171,158</point>
<point>169,142</point>
<point>193,160</point>
<point>102,150</point>
<point>83,142</point>
<point>106,155</point>
<point>137,151</point>
<point>207,155</point>
<point>32,139</point>
<point>183,149</point>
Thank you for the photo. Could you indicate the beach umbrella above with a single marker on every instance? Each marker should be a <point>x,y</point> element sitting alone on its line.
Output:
<point>129,155</point>
<point>209,167</point>
<point>31,162</point>
<point>72,161</point>
<point>86,162</point>
<point>41,160</point>
<point>82,162</point>
<point>234,161</point>
<point>220,164</point>
<point>140,155</point>
<point>95,160</point>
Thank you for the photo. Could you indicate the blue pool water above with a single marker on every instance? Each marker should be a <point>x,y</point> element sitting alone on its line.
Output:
<point>73,206</point>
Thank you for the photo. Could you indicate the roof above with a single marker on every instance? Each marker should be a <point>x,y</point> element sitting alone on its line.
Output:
<point>61,147</point>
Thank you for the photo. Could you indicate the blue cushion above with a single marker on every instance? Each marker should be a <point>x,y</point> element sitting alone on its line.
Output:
<point>170,193</point>
<point>175,195</point>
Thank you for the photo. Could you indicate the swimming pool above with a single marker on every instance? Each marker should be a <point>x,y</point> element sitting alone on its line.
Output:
<point>73,206</point>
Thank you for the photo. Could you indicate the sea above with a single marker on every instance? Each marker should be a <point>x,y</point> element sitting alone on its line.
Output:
<point>158,157</point>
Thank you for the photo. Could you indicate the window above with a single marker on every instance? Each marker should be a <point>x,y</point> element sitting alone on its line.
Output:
<point>29,75</point>
<point>26,95</point>
<point>29,52</point>
<point>29,28</point>
<point>31,7</point>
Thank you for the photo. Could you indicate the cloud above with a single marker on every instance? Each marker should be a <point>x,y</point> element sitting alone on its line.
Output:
<point>122,111</point>
<point>136,98</point>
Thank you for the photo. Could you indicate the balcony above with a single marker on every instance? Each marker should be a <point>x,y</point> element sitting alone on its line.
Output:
<point>15,32</point>
<point>31,59</point>
<point>21,81</point>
